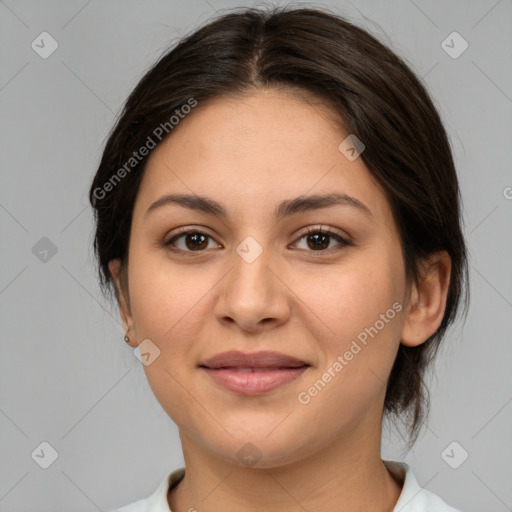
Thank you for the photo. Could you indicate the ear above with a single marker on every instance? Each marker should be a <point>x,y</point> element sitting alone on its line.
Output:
<point>427,302</point>
<point>118,273</point>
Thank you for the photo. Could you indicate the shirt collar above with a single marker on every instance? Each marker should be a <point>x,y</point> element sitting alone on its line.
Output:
<point>413,497</point>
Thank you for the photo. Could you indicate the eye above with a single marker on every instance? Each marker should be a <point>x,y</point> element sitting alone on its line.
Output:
<point>319,240</point>
<point>193,240</point>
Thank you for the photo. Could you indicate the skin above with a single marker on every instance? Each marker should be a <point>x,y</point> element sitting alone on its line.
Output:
<point>249,153</point>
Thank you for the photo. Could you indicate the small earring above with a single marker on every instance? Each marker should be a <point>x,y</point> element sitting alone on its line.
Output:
<point>126,338</point>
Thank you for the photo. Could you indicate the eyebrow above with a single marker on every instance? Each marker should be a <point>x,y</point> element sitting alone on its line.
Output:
<point>284,209</point>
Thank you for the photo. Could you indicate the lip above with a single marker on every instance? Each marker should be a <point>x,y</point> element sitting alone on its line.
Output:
<point>253,373</point>
<point>265,359</point>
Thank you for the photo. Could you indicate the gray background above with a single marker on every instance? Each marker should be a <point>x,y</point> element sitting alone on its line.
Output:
<point>66,375</point>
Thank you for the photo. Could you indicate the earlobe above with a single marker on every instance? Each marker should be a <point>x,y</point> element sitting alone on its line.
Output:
<point>428,300</point>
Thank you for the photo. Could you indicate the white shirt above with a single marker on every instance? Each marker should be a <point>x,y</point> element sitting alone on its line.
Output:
<point>413,498</point>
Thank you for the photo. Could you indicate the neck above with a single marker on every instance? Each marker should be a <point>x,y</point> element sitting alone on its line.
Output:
<point>342,477</point>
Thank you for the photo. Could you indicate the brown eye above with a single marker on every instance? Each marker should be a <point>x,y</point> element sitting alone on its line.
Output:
<point>193,241</point>
<point>318,240</point>
<point>196,241</point>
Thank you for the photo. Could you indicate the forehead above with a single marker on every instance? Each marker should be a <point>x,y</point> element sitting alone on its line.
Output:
<point>256,150</point>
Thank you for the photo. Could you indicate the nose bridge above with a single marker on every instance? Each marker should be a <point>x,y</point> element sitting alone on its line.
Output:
<point>250,277</point>
<point>252,293</point>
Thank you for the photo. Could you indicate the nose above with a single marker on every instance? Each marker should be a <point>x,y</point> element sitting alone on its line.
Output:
<point>253,295</point>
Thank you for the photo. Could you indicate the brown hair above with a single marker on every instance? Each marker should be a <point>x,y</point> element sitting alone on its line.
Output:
<point>376,96</point>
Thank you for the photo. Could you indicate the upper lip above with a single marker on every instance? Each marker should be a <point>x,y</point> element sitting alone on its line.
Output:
<point>266,359</point>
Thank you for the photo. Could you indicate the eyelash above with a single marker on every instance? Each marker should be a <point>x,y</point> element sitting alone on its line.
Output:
<point>309,231</point>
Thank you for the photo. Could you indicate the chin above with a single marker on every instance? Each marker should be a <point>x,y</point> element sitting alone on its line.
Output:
<point>256,450</point>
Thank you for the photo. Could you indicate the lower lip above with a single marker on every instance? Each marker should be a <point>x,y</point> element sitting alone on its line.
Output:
<point>254,383</point>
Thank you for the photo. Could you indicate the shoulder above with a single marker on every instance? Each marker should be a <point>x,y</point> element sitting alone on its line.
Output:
<point>413,497</point>
<point>157,502</point>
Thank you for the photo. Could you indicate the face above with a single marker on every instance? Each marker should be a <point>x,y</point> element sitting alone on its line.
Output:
<point>321,281</point>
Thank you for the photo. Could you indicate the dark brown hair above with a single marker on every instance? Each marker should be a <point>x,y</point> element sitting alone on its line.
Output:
<point>375,95</point>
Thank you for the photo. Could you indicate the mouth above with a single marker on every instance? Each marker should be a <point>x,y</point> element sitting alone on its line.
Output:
<point>253,374</point>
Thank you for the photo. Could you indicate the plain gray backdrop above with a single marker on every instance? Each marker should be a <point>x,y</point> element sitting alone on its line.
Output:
<point>66,376</point>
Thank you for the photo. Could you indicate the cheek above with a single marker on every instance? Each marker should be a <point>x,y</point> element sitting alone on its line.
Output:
<point>165,297</point>
<point>365,318</point>
<point>359,308</point>
<point>350,298</point>
<point>168,309</point>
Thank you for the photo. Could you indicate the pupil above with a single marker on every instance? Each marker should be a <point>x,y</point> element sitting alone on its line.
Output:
<point>316,237</point>
<point>198,241</point>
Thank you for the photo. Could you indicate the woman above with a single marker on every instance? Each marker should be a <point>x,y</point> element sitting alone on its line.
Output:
<point>278,214</point>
